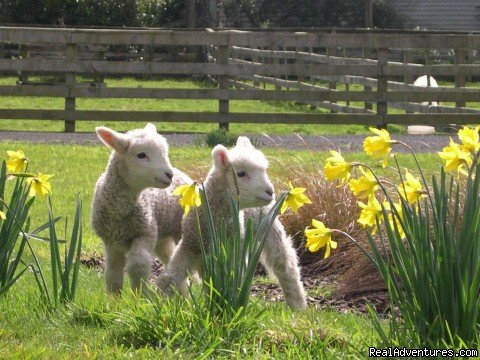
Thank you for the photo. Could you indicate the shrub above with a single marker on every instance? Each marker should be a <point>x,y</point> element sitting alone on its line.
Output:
<point>158,13</point>
<point>220,136</point>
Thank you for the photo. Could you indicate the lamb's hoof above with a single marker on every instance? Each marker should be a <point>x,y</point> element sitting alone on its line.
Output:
<point>166,285</point>
<point>299,304</point>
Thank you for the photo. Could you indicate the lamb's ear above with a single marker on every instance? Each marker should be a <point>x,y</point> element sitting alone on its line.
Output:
<point>117,141</point>
<point>244,141</point>
<point>151,128</point>
<point>220,156</point>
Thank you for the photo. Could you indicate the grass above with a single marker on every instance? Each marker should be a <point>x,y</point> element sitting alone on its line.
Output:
<point>251,106</point>
<point>100,326</point>
<point>77,169</point>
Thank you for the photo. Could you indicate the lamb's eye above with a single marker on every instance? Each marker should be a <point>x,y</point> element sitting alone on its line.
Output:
<point>241,173</point>
<point>141,155</point>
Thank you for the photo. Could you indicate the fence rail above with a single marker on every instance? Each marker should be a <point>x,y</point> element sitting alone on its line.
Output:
<point>301,66</point>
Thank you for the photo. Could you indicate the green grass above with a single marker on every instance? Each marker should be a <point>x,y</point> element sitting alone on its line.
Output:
<point>77,169</point>
<point>99,326</point>
<point>251,106</point>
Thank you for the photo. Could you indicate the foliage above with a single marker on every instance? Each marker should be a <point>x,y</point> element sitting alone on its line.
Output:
<point>13,239</point>
<point>73,12</point>
<point>15,236</point>
<point>220,136</point>
<point>64,274</point>
<point>429,246</point>
<point>158,13</point>
<point>230,259</point>
<point>181,326</point>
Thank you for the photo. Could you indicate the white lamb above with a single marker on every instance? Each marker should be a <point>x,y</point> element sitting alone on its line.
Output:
<point>134,211</point>
<point>255,190</point>
<point>422,81</point>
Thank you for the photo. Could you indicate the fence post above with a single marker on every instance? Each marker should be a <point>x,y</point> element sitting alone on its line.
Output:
<point>99,79</point>
<point>223,83</point>
<point>460,79</point>
<point>24,54</point>
<point>367,54</point>
<point>382,86</point>
<point>70,82</point>
<point>256,59</point>
<point>332,84</point>
<point>300,65</point>
<point>408,77</point>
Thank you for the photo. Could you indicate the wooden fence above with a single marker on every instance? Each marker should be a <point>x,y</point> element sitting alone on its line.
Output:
<point>301,66</point>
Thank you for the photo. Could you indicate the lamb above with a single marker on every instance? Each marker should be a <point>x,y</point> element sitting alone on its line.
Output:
<point>422,81</point>
<point>134,211</point>
<point>255,190</point>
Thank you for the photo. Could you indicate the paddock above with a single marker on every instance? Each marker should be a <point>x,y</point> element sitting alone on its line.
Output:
<point>318,67</point>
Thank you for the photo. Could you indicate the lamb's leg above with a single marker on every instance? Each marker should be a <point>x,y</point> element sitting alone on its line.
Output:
<point>183,262</point>
<point>114,265</point>
<point>280,259</point>
<point>139,262</point>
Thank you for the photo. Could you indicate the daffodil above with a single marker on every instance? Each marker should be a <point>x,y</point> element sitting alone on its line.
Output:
<point>318,237</point>
<point>370,211</point>
<point>295,199</point>
<point>455,157</point>
<point>16,162</point>
<point>336,168</point>
<point>365,185</point>
<point>395,217</point>
<point>2,215</point>
<point>190,196</point>
<point>379,146</point>
<point>411,188</point>
<point>39,185</point>
<point>470,139</point>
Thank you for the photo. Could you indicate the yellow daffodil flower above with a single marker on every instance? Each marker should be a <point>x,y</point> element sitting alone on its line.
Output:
<point>411,188</point>
<point>39,185</point>
<point>394,218</point>
<point>379,146</point>
<point>454,156</point>
<point>295,199</point>
<point>370,211</point>
<point>2,215</point>
<point>470,139</point>
<point>190,196</point>
<point>319,237</point>
<point>16,162</point>
<point>365,185</point>
<point>336,168</point>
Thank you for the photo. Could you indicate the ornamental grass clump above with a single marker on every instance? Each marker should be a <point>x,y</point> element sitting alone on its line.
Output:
<point>232,249</point>
<point>424,241</point>
<point>229,260</point>
<point>18,191</point>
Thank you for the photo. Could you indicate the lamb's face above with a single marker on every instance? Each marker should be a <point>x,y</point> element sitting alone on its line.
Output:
<point>254,186</point>
<point>147,162</point>
<point>249,166</point>
<point>145,154</point>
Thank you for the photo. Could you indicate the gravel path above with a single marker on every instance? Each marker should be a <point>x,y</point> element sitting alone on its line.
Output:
<point>419,143</point>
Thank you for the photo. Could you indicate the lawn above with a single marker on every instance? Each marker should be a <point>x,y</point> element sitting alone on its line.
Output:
<point>252,106</point>
<point>99,326</point>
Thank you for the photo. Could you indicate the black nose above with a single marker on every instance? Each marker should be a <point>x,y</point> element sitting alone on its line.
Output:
<point>169,174</point>
<point>269,192</point>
